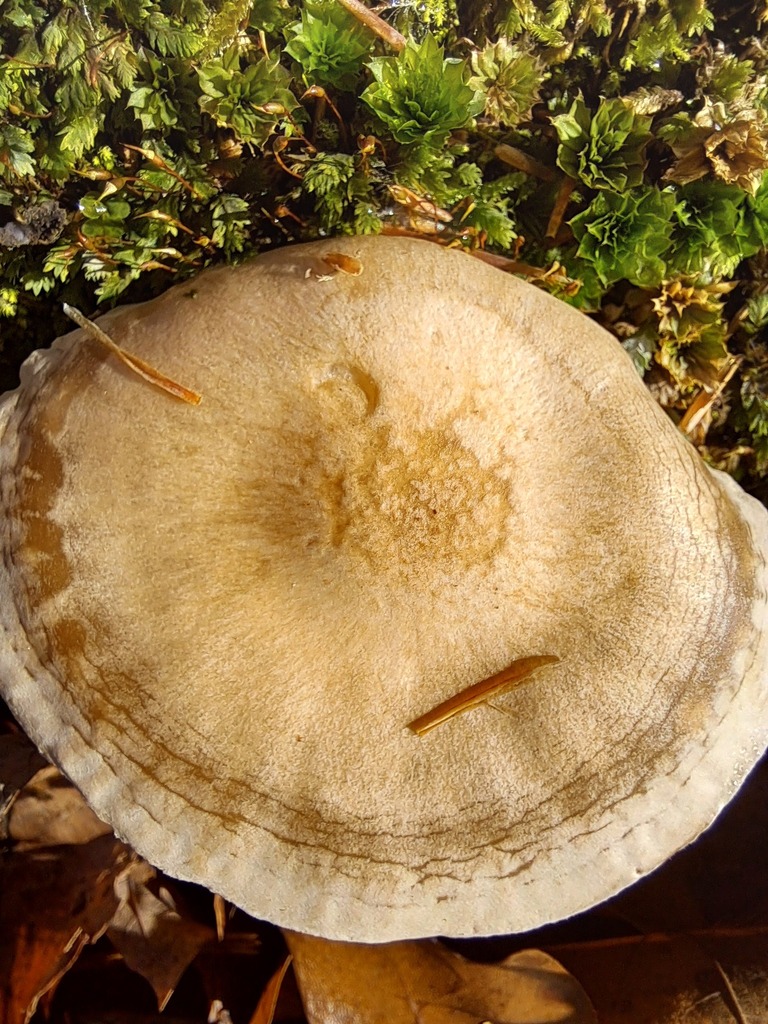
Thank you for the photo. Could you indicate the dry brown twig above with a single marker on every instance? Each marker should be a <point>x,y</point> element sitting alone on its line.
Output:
<point>376,24</point>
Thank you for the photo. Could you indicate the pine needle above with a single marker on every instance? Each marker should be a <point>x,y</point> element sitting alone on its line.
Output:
<point>144,370</point>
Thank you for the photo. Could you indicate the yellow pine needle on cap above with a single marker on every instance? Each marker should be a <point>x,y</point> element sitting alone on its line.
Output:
<point>149,373</point>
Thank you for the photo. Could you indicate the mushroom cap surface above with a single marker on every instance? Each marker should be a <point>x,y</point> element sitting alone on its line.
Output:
<point>219,620</point>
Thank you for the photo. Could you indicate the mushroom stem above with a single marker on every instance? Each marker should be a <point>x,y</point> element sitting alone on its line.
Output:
<point>518,672</point>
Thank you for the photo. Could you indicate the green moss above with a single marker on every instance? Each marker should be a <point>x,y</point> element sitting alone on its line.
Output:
<point>420,96</point>
<point>141,140</point>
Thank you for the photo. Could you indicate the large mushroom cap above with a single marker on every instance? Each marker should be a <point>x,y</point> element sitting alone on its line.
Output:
<point>219,620</point>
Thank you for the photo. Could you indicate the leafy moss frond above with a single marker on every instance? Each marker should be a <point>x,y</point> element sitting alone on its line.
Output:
<point>330,46</point>
<point>626,236</point>
<point>420,95</point>
<point>510,78</point>
<point>604,150</point>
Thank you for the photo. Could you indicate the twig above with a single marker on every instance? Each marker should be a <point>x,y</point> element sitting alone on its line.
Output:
<point>655,938</point>
<point>158,162</point>
<point>701,406</point>
<point>522,162</point>
<point>561,204</point>
<point>732,1002</point>
<point>376,24</point>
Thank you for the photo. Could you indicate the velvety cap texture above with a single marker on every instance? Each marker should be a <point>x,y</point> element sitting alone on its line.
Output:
<point>220,619</point>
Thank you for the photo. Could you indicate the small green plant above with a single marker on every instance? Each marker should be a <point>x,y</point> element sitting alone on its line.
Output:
<point>626,236</point>
<point>329,45</point>
<point>250,99</point>
<point>509,77</point>
<point>605,150</point>
<point>421,96</point>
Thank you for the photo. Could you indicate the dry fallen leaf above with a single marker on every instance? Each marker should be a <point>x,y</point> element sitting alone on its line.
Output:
<point>265,1009</point>
<point>154,939</point>
<point>674,979</point>
<point>49,811</point>
<point>56,881</point>
<point>424,983</point>
<point>699,952</point>
<point>53,903</point>
<point>19,761</point>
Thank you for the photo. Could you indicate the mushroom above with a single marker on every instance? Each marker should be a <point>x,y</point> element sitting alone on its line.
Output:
<point>403,478</point>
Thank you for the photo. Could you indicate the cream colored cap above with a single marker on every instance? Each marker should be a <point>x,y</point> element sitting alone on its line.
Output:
<point>219,620</point>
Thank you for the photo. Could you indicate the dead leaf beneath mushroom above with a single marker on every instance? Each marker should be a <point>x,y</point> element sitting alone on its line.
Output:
<point>150,932</point>
<point>676,979</point>
<point>57,881</point>
<point>65,881</point>
<point>49,811</point>
<point>694,948</point>
<point>424,983</point>
<point>54,902</point>
<point>19,761</point>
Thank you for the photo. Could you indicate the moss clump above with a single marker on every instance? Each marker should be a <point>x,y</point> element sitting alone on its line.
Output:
<point>618,156</point>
